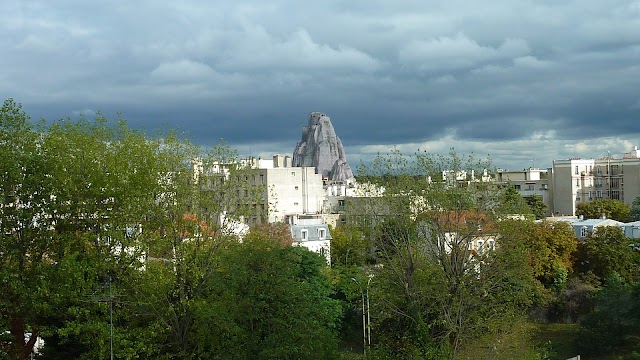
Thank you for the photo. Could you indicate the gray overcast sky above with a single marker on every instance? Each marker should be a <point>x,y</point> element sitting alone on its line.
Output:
<point>523,81</point>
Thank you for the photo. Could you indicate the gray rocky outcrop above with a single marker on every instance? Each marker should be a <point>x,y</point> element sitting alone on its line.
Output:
<point>320,147</point>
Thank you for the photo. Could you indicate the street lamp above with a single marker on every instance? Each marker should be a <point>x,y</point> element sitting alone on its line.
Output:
<point>368,313</point>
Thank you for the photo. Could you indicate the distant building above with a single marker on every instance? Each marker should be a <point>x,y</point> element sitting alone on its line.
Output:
<point>585,227</point>
<point>575,181</point>
<point>312,233</point>
<point>528,182</point>
<point>289,190</point>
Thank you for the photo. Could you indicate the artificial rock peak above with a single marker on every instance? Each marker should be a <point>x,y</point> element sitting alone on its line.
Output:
<point>321,147</point>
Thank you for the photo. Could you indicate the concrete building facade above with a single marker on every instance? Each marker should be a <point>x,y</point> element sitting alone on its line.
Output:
<point>529,182</point>
<point>289,190</point>
<point>576,181</point>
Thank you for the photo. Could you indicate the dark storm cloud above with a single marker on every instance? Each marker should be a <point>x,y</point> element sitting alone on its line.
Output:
<point>541,77</point>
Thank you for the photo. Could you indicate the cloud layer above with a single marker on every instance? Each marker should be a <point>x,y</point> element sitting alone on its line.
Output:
<point>523,81</point>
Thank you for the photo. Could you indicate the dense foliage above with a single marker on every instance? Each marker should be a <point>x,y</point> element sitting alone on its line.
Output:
<point>112,243</point>
<point>610,208</point>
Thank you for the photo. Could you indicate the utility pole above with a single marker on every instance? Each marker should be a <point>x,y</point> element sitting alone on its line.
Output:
<point>364,321</point>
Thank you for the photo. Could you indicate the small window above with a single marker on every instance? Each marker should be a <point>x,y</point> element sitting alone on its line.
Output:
<point>322,234</point>
<point>480,245</point>
<point>293,173</point>
<point>576,170</point>
<point>517,187</point>
<point>296,188</point>
<point>295,204</point>
<point>583,231</point>
<point>261,179</point>
<point>491,244</point>
<point>304,234</point>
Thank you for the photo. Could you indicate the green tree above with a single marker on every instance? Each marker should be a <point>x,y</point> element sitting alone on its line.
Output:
<point>608,251</point>
<point>634,214</point>
<point>611,208</point>
<point>551,247</point>
<point>267,302</point>
<point>512,201</point>
<point>349,247</point>
<point>612,319</point>
<point>72,195</point>
<point>443,278</point>
<point>537,206</point>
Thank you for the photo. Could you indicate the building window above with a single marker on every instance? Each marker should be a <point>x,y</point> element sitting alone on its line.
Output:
<point>322,234</point>
<point>614,169</point>
<point>491,245</point>
<point>578,182</point>
<point>517,187</point>
<point>261,179</point>
<point>584,231</point>
<point>615,183</point>
<point>480,245</point>
<point>304,234</point>
<point>293,173</point>
<point>296,188</point>
<point>295,204</point>
<point>576,169</point>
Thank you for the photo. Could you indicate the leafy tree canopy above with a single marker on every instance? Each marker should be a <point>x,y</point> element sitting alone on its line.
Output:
<point>611,208</point>
<point>608,251</point>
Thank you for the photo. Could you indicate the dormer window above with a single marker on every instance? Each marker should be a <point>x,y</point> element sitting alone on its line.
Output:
<point>322,233</point>
<point>304,234</point>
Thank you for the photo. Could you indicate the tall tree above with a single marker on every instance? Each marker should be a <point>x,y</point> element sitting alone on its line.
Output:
<point>537,206</point>
<point>608,251</point>
<point>73,195</point>
<point>441,265</point>
<point>611,208</point>
<point>267,302</point>
<point>612,319</point>
<point>551,248</point>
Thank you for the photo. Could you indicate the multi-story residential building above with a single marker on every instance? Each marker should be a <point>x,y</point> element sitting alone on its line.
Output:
<point>290,190</point>
<point>528,182</point>
<point>576,181</point>
<point>311,232</point>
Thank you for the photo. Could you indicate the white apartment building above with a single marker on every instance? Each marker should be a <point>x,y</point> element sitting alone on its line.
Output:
<point>290,190</point>
<point>576,181</point>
